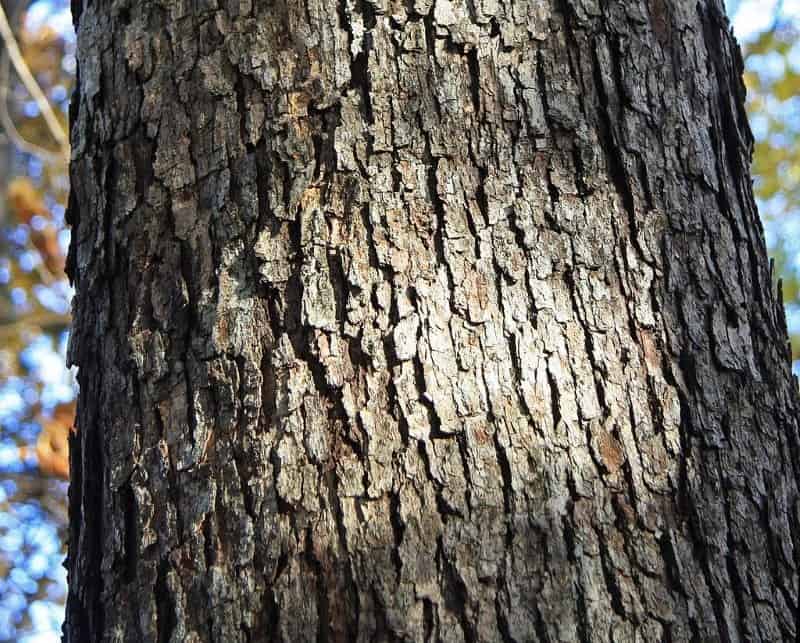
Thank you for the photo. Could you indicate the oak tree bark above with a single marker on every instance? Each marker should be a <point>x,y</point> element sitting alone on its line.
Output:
<point>435,320</point>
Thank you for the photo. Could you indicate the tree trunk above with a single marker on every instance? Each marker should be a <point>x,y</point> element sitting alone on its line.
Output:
<point>440,320</point>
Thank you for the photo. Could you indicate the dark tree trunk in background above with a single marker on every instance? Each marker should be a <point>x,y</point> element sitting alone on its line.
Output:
<point>424,321</point>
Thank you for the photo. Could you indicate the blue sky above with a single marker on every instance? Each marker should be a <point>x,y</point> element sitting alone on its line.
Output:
<point>753,16</point>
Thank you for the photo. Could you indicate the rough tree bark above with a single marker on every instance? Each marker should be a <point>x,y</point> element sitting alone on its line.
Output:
<point>435,320</point>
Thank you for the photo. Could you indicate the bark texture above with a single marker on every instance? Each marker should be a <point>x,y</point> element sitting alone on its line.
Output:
<point>434,320</point>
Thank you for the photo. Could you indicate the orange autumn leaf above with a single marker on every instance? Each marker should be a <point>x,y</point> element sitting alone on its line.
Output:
<point>46,242</point>
<point>52,446</point>
<point>25,200</point>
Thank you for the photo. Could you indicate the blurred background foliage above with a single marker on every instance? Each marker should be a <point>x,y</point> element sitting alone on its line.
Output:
<point>37,391</point>
<point>37,70</point>
<point>769,31</point>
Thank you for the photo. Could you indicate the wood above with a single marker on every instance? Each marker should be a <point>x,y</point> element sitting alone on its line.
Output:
<point>436,321</point>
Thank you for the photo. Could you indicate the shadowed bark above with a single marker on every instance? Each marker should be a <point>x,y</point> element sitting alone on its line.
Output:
<point>440,320</point>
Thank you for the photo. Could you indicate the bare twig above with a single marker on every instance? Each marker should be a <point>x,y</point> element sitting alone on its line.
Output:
<point>56,129</point>
<point>17,139</point>
<point>11,131</point>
